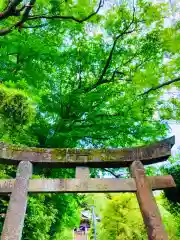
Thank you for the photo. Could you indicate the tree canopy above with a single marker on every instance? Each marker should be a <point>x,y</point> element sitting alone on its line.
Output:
<point>121,218</point>
<point>83,74</point>
<point>96,82</point>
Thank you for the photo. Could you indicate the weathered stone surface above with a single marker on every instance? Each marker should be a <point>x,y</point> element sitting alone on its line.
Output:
<point>14,220</point>
<point>147,204</point>
<point>82,173</point>
<point>92,185</point>
<point>84,185</point>
<point>157,152</point>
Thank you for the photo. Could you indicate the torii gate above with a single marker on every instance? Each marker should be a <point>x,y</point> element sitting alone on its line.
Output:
<point>82,160</point>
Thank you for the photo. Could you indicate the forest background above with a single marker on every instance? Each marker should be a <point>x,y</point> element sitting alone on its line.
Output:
<point>89,74</point>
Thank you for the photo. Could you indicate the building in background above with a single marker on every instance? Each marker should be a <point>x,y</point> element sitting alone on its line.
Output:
<point>81,233</point>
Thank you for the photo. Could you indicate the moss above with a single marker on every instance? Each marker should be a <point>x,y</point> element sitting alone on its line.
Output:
<point>58,154</point>
<point>14,148</point>
<point>101,187</point>
<point>26,149</point>
<point>70,154</point>
<point>106,154</point>
<point>37,150</point>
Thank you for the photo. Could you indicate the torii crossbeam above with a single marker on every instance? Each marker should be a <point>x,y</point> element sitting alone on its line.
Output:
<point>82,160</point>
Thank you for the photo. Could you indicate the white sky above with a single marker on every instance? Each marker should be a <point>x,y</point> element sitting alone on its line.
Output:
<point>174,7</point>
<point>175,127</point>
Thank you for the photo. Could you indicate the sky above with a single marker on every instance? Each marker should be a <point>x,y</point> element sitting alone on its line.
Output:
<point>174,6</point>
<point>174,125</point>
<point>175,129</point>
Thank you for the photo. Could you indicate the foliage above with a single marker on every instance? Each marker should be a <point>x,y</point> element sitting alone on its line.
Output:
<point>88,80</point>
<point>66,233</point>
<point>14,106</point>
<point>173,195</point>
<point>169,201</point>
<point>17,14</point>
<point>48,215</point>
<point>169,208</point>
<point>121,218</point>
<point>93,84</point>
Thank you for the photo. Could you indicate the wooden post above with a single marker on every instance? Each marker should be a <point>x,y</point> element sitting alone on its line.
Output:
<point>14,221</point>
<point>147,203</point>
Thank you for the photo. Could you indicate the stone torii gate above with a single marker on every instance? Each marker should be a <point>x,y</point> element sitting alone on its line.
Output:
<point>82,160</point>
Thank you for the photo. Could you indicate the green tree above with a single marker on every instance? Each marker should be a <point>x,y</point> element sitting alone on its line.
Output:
<point>17,14</point>
<point>91,80</point>
<point>95,87</point>
<point>121,219</point>
<point>171,196</point>
<point>173,169</point>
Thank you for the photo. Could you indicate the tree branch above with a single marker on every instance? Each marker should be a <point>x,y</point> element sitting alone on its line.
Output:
<point>108,62</point>
<point>101,81</point>
<point>96,137</point>
<point>5,31</point>
<point>111,172</point>
<point>101,3</point>
<point>19,24</point>
<point>26,13</point>
<point>114,45</point>
<point>109,59</point>
<point>26,17</point>
<point>161,86</point>
<point>10,9</point>
<point>79,70</point>
<point>110,115</point>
